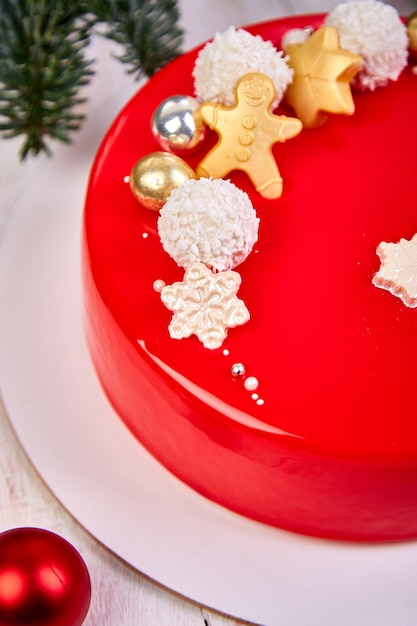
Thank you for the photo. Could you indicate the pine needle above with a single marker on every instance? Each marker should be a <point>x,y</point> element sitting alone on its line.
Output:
<point>42,62</point>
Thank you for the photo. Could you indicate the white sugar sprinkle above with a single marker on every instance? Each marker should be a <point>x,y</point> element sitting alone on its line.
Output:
<point>251,383</point>
<point>158,285</point>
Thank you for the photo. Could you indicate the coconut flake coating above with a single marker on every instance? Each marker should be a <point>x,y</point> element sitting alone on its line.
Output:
<point>208,220</point>
<point>231,55</point>
<point>373,30</point>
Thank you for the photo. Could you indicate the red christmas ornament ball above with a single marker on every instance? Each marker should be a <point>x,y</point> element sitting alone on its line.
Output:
<point>43,580</point>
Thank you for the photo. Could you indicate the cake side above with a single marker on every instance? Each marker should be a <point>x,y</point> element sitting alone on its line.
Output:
<point>334,356</point>
<point>241,464</point>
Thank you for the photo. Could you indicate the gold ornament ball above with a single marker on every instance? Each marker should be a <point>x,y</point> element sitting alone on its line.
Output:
<point>412,33</point>
<point>154,176</point>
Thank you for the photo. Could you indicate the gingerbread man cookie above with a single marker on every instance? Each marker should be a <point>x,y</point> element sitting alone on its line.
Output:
<point>247,131</point>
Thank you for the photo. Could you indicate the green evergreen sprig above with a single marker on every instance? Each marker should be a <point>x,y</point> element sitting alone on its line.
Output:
<point>43,64</point>
<point>147,29</point>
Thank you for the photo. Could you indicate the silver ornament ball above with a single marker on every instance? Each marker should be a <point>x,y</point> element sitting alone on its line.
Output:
<point>177,124</point>
<point>238,369</point>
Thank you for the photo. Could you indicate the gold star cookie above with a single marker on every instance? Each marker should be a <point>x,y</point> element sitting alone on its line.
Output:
<point>247,131</point>
<point>322,73</point>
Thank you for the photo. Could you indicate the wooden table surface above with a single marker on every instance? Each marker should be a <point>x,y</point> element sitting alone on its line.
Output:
<point>121,596</point>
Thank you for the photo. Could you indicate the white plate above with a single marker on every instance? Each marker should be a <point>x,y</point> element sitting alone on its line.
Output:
<point>114,488</point>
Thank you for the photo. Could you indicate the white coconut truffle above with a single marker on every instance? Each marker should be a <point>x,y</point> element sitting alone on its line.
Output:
<point>373,30</point>
<point>231,55</point>
<point>208,220</point>
<point>295,35</point>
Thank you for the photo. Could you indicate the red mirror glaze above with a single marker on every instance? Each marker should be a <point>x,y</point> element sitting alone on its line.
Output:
<point>333,450</point>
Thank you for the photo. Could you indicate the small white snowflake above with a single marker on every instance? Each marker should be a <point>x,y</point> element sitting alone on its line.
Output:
<point>205,304</point>
<point>398,271</point>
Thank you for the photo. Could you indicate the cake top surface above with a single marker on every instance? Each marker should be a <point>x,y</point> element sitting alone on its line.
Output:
<point>332,360</point>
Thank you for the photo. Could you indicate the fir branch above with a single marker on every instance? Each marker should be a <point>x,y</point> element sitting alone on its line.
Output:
<point>147,30</point>
<point>41,69</point>
<point>42,63</point>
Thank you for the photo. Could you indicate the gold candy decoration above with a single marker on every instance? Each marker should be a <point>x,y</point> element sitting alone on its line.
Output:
<point>412,35</point>
<point>155,175</point>
<point>247,131</point>
<point>322,73</point>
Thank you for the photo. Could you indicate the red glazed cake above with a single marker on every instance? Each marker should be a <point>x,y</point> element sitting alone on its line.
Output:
<point>322,440</point>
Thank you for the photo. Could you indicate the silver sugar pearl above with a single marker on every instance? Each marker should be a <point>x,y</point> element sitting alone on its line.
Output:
<point>238,369</point>
<point>177,124</point>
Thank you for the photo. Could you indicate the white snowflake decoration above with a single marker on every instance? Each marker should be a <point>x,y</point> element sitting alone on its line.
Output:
<point>398,271</point>
<point>205,304</point>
